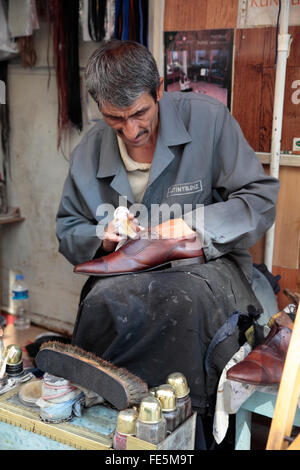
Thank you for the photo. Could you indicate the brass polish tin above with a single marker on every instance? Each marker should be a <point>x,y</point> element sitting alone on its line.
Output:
<point>167,397</point>
<point>126,421</point>
<point>179,382</point>
<point>15,354</point>
<point>150,410</point>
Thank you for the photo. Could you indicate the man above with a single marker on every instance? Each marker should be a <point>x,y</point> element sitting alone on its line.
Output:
<point>172,149</point>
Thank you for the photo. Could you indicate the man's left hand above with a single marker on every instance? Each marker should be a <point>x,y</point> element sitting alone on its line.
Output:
<point>174,228</point>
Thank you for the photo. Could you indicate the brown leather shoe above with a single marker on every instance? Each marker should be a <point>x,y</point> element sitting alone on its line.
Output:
<point>143,254</point>
<point>264,364</point>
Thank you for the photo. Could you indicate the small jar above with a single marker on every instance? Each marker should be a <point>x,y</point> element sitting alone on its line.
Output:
<point>167,397</point>
<point>184,403</point>
<point>151,425</point>
<point>126,426</point>
<point>14,366</point>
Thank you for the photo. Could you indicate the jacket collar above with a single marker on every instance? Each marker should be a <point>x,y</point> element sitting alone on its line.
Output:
<point>172,129</point>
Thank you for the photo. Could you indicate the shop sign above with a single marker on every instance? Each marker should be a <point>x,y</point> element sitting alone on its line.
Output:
<point>254,13</point>
<point>296,94</point>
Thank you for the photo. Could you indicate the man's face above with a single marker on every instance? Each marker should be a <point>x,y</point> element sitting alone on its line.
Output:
<point>137,124</point>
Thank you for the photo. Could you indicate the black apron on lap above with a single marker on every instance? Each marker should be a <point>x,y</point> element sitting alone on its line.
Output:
<point>158,322</point>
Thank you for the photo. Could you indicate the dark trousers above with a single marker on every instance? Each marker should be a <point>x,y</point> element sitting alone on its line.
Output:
<point>158,322</point>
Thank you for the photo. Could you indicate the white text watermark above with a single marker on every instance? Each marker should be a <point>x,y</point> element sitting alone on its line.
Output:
<point>158,214</point>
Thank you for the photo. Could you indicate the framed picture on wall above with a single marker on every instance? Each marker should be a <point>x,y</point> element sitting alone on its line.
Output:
<point>200,61</point>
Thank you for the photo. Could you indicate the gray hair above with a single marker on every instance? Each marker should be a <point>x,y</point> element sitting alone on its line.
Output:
<point>119,72</point>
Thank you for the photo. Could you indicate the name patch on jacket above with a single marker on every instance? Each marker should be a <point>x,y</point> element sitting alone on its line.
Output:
<point>184,188</point>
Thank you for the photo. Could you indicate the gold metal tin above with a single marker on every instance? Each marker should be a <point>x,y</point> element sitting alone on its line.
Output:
<point>126,421</point>
<point>167,397</point>
<point>150,410</point>
<point>152,391</point>
<point>179,382</point>
<point>15,354</point>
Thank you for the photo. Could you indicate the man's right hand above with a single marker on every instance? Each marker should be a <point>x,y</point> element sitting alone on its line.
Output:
<point>111,236</point>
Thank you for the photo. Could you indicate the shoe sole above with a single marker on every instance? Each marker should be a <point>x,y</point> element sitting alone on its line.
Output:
<point>185,261</point>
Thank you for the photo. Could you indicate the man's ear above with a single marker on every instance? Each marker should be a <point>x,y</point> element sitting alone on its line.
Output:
<point>160,89</point>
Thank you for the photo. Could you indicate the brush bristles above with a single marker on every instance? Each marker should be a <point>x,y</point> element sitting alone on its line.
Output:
<point>136,388</point>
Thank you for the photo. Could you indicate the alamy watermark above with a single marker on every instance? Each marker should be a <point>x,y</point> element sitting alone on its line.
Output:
<point>2,92</point>
<point>193,216</point>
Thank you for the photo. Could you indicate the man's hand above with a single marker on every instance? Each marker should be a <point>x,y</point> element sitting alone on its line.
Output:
<point>174,228</point>
<point>112,237</point>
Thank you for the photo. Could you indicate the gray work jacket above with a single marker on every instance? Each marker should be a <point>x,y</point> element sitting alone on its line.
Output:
<point>201,158</point>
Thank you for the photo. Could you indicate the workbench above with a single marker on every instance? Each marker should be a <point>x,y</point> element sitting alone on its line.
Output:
<point>22,429</point>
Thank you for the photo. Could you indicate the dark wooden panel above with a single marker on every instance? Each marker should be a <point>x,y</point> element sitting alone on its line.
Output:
<point>221,14</point>
<point>248,72</point>
<point>287,228</point>
<point>253,96</point>
<point>190,15</point>
<point>266,112</point>
<point>294,57</point>
<point>257,251</point>
<point>270,47</point>
<point>290,279</point>
<point>187,15</point>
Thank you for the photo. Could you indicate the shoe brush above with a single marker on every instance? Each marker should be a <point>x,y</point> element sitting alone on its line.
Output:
<point>116,385</point>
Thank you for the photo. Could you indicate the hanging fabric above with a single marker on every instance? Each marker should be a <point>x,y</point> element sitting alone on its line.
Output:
<point>8,46</point>
<point>125,20</point>
<point>92,22</point>
<point>109,19</point>
<point>22,17</point>
<point>131,20</point>
<point>27,51</point>
<point>84,20</point>
<point>145,14</point>
<point>22,21</point>
<point>71,22</point>
<point>118,19</point>
<point>64,18</point>
<point>96,19</point>
<point>134,20</point>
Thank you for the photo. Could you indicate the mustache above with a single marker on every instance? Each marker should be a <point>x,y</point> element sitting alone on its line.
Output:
<point>120,133</point>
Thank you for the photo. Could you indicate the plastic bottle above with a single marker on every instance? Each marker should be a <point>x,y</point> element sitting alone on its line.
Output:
<point>21,303</point>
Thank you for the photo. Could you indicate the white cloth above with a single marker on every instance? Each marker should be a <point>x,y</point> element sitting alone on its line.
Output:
<point>22,17</point>
<point>109,20</point>
<point>8,47</point>
<point>230,395</point>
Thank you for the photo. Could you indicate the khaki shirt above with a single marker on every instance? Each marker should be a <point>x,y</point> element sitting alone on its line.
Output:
<point>137,173</point>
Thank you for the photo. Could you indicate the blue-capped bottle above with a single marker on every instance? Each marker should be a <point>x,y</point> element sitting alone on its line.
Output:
<point>20,297</point>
